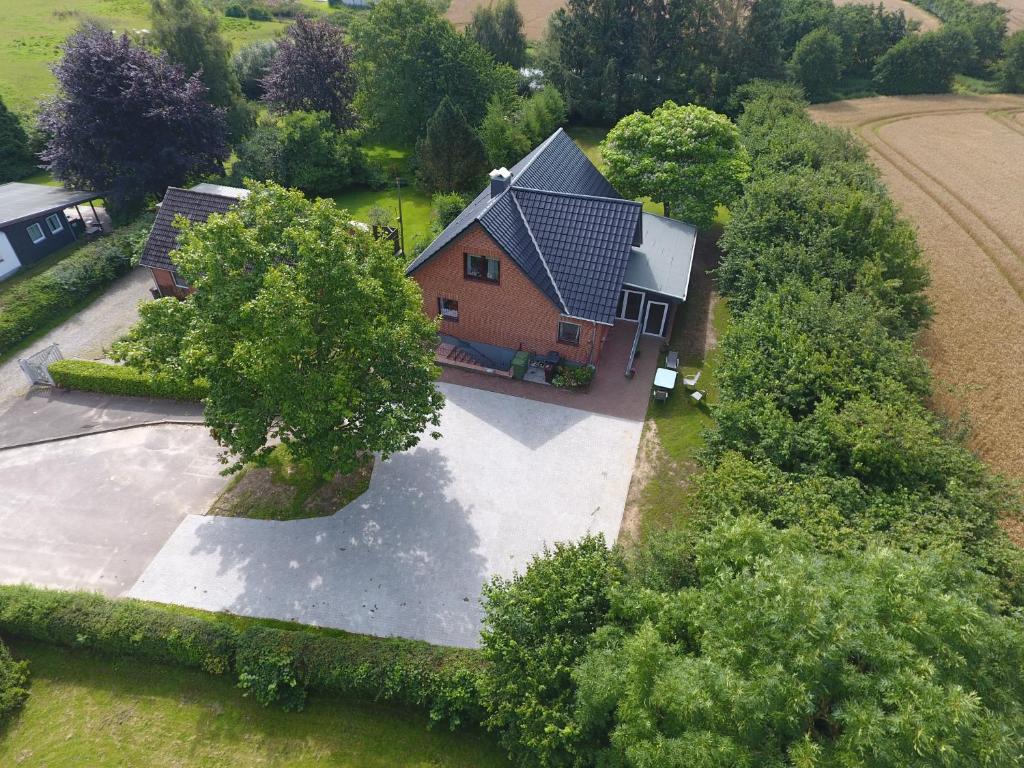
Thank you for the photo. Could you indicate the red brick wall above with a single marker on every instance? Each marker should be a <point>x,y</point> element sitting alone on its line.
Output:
<point>165,282</point>
<point>512,313</point>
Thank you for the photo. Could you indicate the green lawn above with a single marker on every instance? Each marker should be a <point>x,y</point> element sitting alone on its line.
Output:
<point>89,711</point>
<point>32,32</point>
<point>285,489</point>
<point>415,208</point>
<point>679,425</point>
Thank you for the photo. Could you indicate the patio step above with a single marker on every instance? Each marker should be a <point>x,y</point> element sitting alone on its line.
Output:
<point>449,354</point>
<point>460,355</point>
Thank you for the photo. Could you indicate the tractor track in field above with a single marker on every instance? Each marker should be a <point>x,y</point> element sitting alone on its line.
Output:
<point>871,133</point>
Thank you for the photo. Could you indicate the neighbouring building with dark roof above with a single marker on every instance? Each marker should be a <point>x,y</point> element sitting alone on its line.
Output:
<point>196,205</point>
<point>36,220</point>
<point>548,259</point>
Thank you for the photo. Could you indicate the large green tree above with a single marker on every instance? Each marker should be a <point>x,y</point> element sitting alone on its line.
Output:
<point>498,28</point>
<point>817,63</point>
<point>308,333</point>
<point>777,655</point>
<point>16,160</point>
<point>923,63</point>
<point>502,134</point>
<point>686,157</point>
<point>512,126</point>
<point>1012,68</point>
<point>304,150</point>
<point>190,34</point>
<point>127,121</point>
<point>808,224</point>
<point>536,628</point>
<point>542,114</point>
<point>312,71</point>
<point>409,57</point>
<point>450,156</point>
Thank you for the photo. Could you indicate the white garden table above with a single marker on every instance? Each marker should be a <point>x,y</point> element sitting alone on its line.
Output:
<point>665,378</point>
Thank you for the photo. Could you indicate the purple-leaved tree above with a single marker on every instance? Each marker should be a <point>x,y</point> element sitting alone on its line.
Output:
<point>127,121</point>
<point>312,72</point>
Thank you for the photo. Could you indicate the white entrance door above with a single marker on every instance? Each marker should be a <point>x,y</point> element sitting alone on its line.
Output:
<point>8,259</point>
<point>630,304</point>
<point>654,319</point>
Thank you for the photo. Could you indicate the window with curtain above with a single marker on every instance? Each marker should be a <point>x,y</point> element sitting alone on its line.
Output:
<point>449,309</point>
<point>482,268</point>
<point>569,333</point>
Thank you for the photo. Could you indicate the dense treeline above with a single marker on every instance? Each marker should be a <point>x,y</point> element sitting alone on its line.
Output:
<point>822,421</point>
<point>841,561</point>
<point>612,57</point>
<point>391,72</point>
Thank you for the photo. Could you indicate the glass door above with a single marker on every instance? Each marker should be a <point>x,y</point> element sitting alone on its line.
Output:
<point>630,305</point>
<point>654,322</point>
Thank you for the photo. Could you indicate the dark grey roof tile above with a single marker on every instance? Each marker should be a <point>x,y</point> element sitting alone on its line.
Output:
<point>163,237</point>
<point>562,223</point>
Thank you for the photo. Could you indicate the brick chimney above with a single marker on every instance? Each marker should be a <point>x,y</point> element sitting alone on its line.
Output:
<point>500,179</point>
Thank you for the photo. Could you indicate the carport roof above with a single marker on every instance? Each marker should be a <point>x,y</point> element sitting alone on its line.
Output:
<point>21,202</point>
<point>663,262</point>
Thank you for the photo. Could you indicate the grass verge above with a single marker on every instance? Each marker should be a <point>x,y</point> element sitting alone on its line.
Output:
<point>415,208</point>
<point>85,710</point>
<point>673,433</point>
<point>678,426</point>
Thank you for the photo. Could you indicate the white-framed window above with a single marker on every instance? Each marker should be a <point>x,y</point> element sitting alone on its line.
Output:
<point>54,223</point>
<point>35,233</point>
<point>449,309</point>
<point>630,305</point>
<point>569,333</point>
<point>180,281</point>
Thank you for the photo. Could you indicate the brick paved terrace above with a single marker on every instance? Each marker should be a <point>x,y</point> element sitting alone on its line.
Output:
<point>610,393</point>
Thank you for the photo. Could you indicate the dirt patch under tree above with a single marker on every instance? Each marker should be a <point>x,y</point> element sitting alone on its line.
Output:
<point>282,491</point>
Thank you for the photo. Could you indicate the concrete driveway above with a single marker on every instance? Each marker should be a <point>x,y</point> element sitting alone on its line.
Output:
<point>409,557</point>
<point>91,512</point>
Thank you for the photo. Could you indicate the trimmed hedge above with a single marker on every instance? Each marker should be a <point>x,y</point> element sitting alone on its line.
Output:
<point>31,305</point>
<point>91,376</point>
<point>443,681</point>
<point>274,661</point>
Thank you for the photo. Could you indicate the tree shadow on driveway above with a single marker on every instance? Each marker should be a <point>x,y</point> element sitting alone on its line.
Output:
<point>401,560</point>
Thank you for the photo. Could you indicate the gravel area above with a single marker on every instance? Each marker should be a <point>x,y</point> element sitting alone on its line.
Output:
<point>88,333</point>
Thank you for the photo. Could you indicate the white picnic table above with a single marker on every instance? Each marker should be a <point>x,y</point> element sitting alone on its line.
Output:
<point>665,378</point>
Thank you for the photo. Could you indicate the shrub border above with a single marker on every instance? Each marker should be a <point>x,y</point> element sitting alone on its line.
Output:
<point>440,680</point>
<point>92,376</point>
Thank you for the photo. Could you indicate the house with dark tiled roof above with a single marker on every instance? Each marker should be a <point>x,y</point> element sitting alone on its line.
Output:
<point>549,259</point>
<point>196,205</point>
<point>37,220</point>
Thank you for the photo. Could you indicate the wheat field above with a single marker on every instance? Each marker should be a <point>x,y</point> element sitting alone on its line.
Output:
<point>955,164</point>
